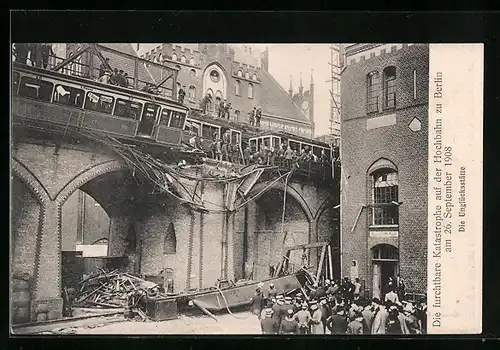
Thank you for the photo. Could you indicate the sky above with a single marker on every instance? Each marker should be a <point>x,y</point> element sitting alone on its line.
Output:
<point>294,59</point>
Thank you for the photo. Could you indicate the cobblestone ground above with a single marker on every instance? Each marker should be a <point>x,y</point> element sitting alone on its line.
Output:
<point>238,323</point>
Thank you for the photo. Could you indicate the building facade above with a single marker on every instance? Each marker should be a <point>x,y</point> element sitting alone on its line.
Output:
<point>384,165</point>
<point>238,74</point>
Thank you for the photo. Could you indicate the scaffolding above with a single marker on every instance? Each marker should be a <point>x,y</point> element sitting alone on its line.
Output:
<point>335,70</point>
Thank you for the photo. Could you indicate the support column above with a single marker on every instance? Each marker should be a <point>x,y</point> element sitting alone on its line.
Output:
<point>47,280</point>
<point>230,240</point>
<point>313,237</point>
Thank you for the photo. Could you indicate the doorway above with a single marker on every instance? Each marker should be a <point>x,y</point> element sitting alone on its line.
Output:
<point>385,263</point>
<point>148,120</point>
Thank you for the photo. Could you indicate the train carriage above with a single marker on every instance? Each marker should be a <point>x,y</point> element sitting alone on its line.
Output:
<point>39,94</point>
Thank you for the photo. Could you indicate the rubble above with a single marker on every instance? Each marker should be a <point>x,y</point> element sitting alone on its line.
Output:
<point>112,290</point>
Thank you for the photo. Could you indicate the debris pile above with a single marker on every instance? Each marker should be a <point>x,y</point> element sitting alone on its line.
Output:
<point>112,290</point>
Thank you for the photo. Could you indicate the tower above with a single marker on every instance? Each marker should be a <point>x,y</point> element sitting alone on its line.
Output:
<point>311,99</point>
<point>301,88</point>
<point>290,89</point>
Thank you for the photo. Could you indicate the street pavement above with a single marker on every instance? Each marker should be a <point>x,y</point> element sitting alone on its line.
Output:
<point>238,323</point>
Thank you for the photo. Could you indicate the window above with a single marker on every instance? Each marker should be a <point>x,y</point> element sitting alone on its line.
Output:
<point>191,61</point>
<point>170,242</point>
<point>237,87</point>
<point>192,72</point>
<point>165,117</point>
<point>36,89</point>
<point>208,132</point>
<point>99,102</point>
<point>128,109</point>
<point>150,111</point>
<point>174,57</point>
<point>250,91</point>
<point>240,73</point>
<point>385,252</point>
<point>247,75</point>
<point>177,120</point>
<point>183,59</point>
<point>192,92</point>
<point>373,91</point>
<point>254,77</point>
<point>390,87</point>
<point>68,95</point>
<point>385,197</point>
<point>214,76</point>
<point>235,137</point>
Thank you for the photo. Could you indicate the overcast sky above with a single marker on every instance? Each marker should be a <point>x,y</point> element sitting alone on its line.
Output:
<point>292,59</point>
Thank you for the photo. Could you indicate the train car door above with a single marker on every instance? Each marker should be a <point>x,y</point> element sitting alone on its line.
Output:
<point>148,120</point>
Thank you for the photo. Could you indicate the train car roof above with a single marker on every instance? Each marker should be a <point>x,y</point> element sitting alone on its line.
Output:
<point>87,81</point>
<point>197,115</point>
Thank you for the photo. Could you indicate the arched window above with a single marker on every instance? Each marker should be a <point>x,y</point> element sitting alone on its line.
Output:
<point>183,59</point>
<point>170,242</point>
<point>390,87</point>
<point>174,57</point>
<point>240,73</point>
<point>385,252</point>
<point>192,72</point>
<point>385,185</point>
<point>192,92</point>
<point>250,90</point>
<point>247,75</point>
<point>254,77</point>
<point>237,85</point>
<point>191,61</point>
<point>373,91</point>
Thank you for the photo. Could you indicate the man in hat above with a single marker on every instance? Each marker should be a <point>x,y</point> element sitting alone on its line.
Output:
<point>392,296</point>
<point>381,317</point>
<point>410,318</point>
<point>356,325</point>
<point>287,306</point>
<point>277,309</point>
<point>324,312</point>
<point>357,288</point>
<point>303,318</point>
<point>402,319</point>
<point>268,324</point>
<point>348,289</point>
<point>368,316</point>
<point>257,302</point>
<point>393,324</point>
<point>105,78</point>
<point>337,324</point>
<point>288,324</point>
<point>316,324</point>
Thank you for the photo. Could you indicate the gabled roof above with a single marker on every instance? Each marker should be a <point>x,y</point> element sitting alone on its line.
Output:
<point>276,101</point>
<point>125,63</point>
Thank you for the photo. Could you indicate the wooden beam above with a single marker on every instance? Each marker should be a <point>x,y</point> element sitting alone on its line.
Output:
<point>307,246</point>
<point>321,262</point>
<point>164,80</point>
<point>71,58</point>
<point>357,218</point>
<point>101,57</point>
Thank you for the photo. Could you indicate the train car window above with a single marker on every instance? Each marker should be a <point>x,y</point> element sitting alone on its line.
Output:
<point>99,102</point>
<point>128,109</point>
<point>276,142</point>
<point>253,145</point>
<point>36,89</point>
<point>165,117</point>
<point>68,96</point>
<point>15,82</point>
<point>177,120</point>
<point>317,151</point>
<point>295,146</point>
<point>235,137</point>
<point>208,132</point>
<point>150,111</point>
<point>259,143</point>
<point>195,128</point>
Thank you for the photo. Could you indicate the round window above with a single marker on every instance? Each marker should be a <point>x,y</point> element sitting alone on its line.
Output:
<point>214,75</point>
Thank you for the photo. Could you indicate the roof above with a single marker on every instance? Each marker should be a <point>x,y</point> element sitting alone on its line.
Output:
<point>276,101</point>
<point>127,64</point>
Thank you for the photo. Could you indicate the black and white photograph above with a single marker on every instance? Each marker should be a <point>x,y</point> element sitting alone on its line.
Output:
<point>222,188</point>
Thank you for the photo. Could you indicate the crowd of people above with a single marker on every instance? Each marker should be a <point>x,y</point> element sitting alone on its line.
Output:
<point>114,77</point>
<point>37,54</point>
<point>338,308</point>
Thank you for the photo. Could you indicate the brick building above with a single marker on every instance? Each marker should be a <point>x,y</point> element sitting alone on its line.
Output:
<point>384,165</point>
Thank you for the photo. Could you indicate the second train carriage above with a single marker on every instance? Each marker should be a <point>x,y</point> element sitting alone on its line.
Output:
<point>57,98</point>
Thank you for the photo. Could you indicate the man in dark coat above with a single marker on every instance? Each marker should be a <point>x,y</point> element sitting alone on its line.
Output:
<point>338,322</point>
<point>289,325</point>
<point>181,94</point>
<point>268,324</point>
<point>257,302</point>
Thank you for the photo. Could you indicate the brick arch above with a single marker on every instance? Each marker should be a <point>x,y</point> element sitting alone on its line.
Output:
<point>289,190</point>
<point>31,181</point>
<point>323,206</point>
<point>381,163</point>
<point>86,176</point>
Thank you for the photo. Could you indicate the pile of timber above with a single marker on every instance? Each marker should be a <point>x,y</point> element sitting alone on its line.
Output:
<point>111,290</point>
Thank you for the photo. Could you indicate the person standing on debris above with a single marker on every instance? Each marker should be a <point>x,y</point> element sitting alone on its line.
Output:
<point>316,324</point>
<point>288,324</point>
<point>268,324</point>
<point>271,291</point>
<point>257,302</point>
<point>303,318</point>
<point>258,116</point>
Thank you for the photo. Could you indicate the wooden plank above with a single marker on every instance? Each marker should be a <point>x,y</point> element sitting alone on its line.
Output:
<point>307,246</point>
<point>330,261</point>
<point>71,58</point>
<point>321,262</point>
